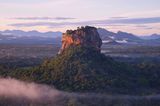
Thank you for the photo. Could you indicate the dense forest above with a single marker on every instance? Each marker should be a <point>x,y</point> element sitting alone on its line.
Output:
<point>77,70</point>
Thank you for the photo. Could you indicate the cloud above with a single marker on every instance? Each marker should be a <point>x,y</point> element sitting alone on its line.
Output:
<point>64,18</point>
<point>147,20</point>
<point>145,27</point>
<point>124,21</point>
<point>43,18</point>
<point>118,17</point>
<point>15,88</point>
<point>18,93</point>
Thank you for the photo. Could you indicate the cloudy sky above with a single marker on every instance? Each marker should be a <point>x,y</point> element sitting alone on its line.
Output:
<point>140,17</point>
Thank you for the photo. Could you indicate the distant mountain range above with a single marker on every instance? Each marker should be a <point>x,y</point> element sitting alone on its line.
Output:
<point>108,37</point>
<point>30,37</point>
<point>119,37</point>
<point>127,38</point>
<point>153,36</point>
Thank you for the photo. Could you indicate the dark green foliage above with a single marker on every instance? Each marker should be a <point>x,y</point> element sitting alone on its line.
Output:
<point>84,69</point>
<point>3,71</point>
<point>150,74</point>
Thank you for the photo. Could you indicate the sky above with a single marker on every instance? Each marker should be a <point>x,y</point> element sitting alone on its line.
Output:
<point>141,17</point>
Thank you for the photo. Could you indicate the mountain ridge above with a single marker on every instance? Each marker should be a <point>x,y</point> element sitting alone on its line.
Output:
<point>29,37</point>
<point>108,37</point>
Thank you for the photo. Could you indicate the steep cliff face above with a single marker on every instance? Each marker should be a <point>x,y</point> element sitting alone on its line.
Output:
<point>84,36</point>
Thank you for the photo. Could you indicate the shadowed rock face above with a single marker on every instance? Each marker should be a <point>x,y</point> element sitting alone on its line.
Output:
<point>84,36</point>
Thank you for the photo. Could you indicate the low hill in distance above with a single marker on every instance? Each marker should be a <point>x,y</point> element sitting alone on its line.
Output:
<point>30,37</point>
<point>108,37</point>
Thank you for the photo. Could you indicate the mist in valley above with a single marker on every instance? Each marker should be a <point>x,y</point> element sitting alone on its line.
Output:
<point>18,93</point>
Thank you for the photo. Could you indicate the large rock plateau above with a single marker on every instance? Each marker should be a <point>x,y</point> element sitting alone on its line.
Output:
<point>84,36</point>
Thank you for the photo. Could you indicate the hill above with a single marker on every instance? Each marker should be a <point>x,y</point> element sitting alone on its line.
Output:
<point>119,37</point>
<point>81,67</point>
<point>29,37</point>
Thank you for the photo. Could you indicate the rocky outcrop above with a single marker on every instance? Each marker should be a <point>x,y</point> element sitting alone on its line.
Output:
<point>84,36</point>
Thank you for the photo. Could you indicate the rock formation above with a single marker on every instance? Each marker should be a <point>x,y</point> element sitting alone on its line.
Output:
<point>84,36</point>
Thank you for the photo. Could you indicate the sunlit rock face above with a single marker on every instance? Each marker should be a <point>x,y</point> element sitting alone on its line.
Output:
<point>84,36</point>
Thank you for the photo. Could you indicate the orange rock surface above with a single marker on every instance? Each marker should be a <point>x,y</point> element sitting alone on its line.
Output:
<point>84,36</point>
